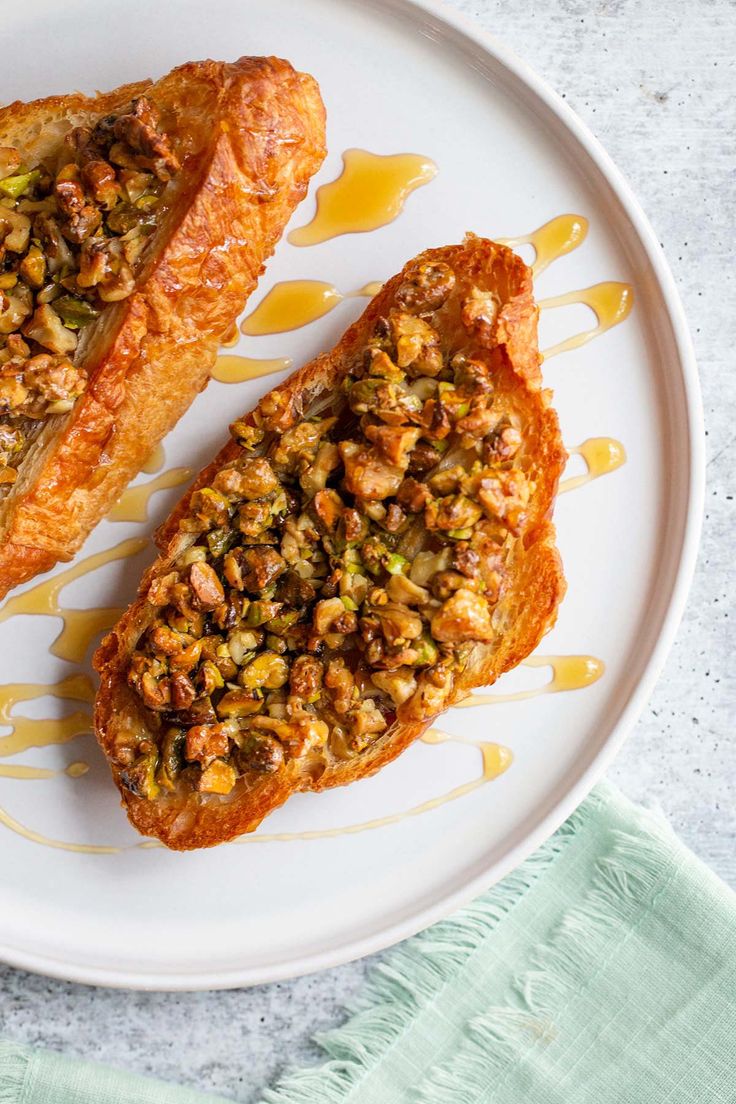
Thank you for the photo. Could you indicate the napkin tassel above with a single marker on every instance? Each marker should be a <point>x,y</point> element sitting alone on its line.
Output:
<point>625,884</point>
<point>13,1066</point>
<point>410,979</point>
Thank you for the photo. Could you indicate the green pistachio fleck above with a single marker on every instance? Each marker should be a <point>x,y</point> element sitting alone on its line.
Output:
<point>396,564</point>
<point>16,186</point>
<point>172,758</point>
<point>282,622</point>
<point>146,202</point>
<point>259,613</point>
<point>126,217</point>
<point>219,540</point>
<point>75,313</point>
<point>140,777</point>
<point>247,436</point>
<point>426,650</point>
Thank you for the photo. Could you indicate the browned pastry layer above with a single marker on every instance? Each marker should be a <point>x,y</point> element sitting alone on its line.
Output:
<point>232,148</point>
<point>374,542</point>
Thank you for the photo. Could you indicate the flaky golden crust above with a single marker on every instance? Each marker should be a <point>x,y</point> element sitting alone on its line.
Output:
<point>534,588</point>
<point>249,136</point>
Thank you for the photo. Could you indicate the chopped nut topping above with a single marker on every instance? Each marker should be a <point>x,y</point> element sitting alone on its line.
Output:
<point>339,571</point>
<point>71,233</point>
<point>206,588</point>
<point>367,474</point>
<point>205,742</point>
<point>479,312</point>
<point>306,677</point>
<point>218,778</point>
<point>428,288</point>
<point>464,616</point>
<point>417,345</point>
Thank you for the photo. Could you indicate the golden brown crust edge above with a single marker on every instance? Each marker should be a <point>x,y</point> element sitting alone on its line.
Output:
<point>256,140</point>
<point>535,589</point>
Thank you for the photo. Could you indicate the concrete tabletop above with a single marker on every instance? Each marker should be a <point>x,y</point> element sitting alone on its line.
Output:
<point>655,80</point>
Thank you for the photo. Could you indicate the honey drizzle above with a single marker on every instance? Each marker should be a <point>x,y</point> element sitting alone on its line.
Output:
<point>238,369</point>
<point>34,774</point>
<point>369,290</point>
<point>80,626</point>
<point>495,760</point>
<point>370,192</point>
<point>555,239</point>
<point>291,304</point>
<point>133,503</point>
<point>28,732</point>
<point>155,461</point>
<point>601,455</point>
<point>569,672</point>
<point>58,845</point>
<point>611,302</point>
<point>231,337</point>
<point>27,774</point>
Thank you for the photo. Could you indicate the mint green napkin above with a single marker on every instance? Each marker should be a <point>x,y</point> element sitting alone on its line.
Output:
<point>602,970</point>
<point>40,1077</point>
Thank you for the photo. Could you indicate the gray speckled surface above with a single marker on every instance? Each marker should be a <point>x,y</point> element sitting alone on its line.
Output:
<point>655,80</point>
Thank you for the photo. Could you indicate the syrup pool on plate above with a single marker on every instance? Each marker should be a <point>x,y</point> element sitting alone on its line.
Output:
<point>601,455</point>
<point>369,193</point>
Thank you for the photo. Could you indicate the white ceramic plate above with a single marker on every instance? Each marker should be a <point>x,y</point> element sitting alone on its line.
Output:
<point>396,76</point>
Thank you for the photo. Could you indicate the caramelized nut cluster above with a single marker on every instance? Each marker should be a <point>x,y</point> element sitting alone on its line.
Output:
<point>71,234</point>
<point>340,571</point>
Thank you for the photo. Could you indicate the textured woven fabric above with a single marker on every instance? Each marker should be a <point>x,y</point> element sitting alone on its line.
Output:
<point>602,970</point>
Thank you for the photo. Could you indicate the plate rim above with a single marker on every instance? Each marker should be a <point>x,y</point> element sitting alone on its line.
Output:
<point>353,949</point>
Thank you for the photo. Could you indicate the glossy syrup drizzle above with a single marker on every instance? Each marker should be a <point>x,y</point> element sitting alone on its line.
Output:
<point>80,626</point>
<point>495,761</point>
<point>34,732</point>
<point>155,461</point>
<point>231,337</point>
<point>611,302</point>
<point>369,290</point>
<point>237,369</point>
<point>289,305</point>
<point>370,192</point>
<point>35,774</point>
<point>229,368</point>
<point>569,672</point>
<point>601,455</point>
<point>292,304</point>
<point>557,237</point>
<point>32,836</point>
<point>133,503</point>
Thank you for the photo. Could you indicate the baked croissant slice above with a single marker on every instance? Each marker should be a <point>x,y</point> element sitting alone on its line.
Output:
<point>133,226</point>
<point>372,543</point>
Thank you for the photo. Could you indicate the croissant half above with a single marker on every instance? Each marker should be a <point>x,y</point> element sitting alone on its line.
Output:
<point>133,226</point>
<point>372,543</point>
